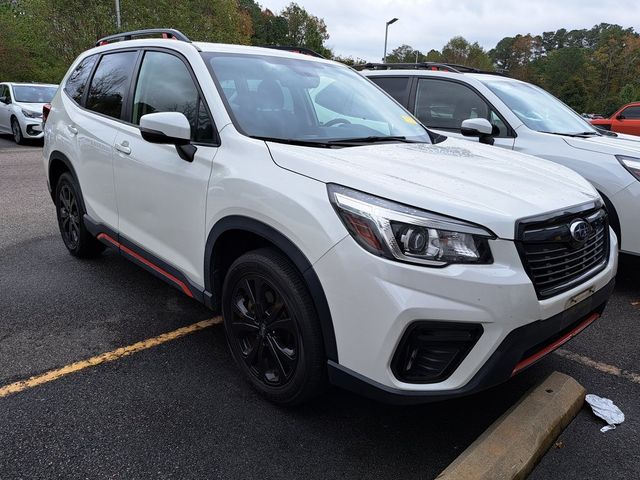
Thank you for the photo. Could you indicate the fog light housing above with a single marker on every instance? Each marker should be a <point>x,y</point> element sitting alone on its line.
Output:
<point>429,352</point>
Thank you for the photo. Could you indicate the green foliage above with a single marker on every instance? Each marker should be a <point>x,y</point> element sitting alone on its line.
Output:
<point>593,70</point>
<point>459,51</point>
<point>404,54</point>
<point>39,39</point>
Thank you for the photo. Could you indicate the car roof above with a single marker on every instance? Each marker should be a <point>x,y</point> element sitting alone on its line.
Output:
<point>30,84</point>
<point>483,77</point>
<point>207,47</point>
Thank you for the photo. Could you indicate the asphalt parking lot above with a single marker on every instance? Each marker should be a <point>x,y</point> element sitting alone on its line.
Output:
<point>181,409</point>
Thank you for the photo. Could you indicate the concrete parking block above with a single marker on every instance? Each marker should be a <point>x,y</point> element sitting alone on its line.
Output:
<point>513,444</point>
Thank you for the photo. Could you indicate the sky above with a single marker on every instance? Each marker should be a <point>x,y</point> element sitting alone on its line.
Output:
<point>356,27</point>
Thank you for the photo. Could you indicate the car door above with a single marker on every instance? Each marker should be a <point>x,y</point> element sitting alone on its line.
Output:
<point>627,121</point>
<point>5,109</point>
<point>442,106</point>
<point>91,125</point>
<point>161,197</point>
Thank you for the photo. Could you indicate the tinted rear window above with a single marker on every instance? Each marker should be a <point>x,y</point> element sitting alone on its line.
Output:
<point>397,87</point>
<point>110,83</point>
<point>77,81</point>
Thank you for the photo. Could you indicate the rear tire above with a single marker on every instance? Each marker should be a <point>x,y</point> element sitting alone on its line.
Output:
<point>273,329</point>
<point>76,237</point>
<point>18,137</point>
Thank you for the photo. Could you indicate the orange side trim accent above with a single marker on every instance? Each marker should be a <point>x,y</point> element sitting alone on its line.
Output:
<point>558,343</point>
<point>149,264</point>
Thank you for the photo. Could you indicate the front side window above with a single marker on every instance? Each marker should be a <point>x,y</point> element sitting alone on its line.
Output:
<point>632,113</point>
<point>33,93</point>
<point>306,100</point>
<point>110,83</point>
<point>538,109</point>
<point>443,104</point>
<point>77,81</point>
<point>165,85</point>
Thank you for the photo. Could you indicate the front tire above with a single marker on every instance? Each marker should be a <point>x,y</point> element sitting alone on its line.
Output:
<point>18,137</point>
<point>76,237</point>
<point>273,329</point>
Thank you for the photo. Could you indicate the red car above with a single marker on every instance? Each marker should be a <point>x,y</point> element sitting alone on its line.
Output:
<point>625,120</point>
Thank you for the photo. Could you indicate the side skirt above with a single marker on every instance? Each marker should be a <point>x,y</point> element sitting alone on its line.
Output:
<point>144,259</point>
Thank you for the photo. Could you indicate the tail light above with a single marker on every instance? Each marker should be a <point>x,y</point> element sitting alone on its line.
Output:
<point>46,109</point>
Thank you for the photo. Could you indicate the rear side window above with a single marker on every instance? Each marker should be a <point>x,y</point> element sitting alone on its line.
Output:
<point>632,113</point>
<point>443,104</point>
<point>77,81</point>
<point>397,87</point>
<point>165,85</point>
<point>110,83</point>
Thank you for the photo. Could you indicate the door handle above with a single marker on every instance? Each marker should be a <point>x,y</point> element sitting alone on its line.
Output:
<point>123,147</point>
<point>73,130</point>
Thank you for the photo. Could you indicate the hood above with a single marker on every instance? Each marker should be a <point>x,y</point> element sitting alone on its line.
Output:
<point>489,186</point>
<point>620,145</point>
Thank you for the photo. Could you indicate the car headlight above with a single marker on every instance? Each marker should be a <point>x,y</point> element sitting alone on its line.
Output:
<point>30,114</point>
<point>630,163</point>
<point>398,232</point>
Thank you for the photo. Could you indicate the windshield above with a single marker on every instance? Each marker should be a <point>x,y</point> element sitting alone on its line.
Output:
<point>308,101</point>
<point>33,93</point>
<point>538,109</point>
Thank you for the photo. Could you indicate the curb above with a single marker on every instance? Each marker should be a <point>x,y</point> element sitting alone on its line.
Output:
<point>512,446</point>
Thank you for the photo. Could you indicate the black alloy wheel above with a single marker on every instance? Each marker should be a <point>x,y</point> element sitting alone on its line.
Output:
<point>266,330</point>
<point>70,211</point>
<point>272,327</point>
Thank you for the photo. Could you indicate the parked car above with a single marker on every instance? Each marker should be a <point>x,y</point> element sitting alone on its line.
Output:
<point>625,120</point>
<point>340,239</point>
<point>461,102</point>
<point>21,109</point>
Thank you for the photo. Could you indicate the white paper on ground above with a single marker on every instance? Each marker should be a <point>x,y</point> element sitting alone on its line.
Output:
<point>606,410</point>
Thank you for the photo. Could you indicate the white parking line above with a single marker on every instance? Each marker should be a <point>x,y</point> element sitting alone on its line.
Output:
<point>600,366</point>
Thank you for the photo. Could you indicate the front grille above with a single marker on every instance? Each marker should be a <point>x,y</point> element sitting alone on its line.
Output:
<point>554,258</point>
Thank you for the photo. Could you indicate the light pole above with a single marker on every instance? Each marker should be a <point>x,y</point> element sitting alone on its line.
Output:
<point>386,33</point>
<point>118,23</point>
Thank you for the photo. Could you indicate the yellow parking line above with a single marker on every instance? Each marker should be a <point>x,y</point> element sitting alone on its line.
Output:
<point>52,375</point>
<point>600,366</point>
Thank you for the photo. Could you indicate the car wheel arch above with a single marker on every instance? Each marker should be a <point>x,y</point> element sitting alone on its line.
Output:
<point>233,236</point>
<point>614,221</point>
<point>59,163</point>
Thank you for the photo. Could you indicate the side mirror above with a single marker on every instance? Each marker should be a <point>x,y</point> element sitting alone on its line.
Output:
<point>5,100</point>
<point>169,128</point>
<point>479,127</point>
<point>620,117</point>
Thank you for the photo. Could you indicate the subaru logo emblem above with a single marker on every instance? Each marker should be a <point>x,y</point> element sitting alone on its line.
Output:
<point>580,231</point>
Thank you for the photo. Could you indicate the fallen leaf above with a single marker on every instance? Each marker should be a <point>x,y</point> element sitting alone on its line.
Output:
<point>559,444</point>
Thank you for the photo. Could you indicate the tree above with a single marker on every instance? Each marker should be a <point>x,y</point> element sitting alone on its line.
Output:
<point>459,51</point>
<point>404,54</point>
<point>304,29</point>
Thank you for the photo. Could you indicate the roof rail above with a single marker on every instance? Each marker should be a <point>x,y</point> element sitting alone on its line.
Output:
<point>409,66</point>
<point>165,32</point>
<point>436,66</point>
<point>302,50</point>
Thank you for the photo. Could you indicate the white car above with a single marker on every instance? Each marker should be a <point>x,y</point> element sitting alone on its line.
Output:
<point>340,239</point>
<point>527,119</point>
<point>21,109</point>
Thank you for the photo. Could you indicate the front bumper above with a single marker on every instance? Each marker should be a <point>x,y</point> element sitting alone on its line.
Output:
<point>31,127</point>
<point>373,301</point>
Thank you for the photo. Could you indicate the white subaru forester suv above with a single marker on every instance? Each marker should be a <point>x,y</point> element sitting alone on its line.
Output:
<point>342,242</point>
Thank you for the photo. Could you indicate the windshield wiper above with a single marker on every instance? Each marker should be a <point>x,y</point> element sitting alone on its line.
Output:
<point>574,134</point>
<point>294,141</point>
<point>371,139</point>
